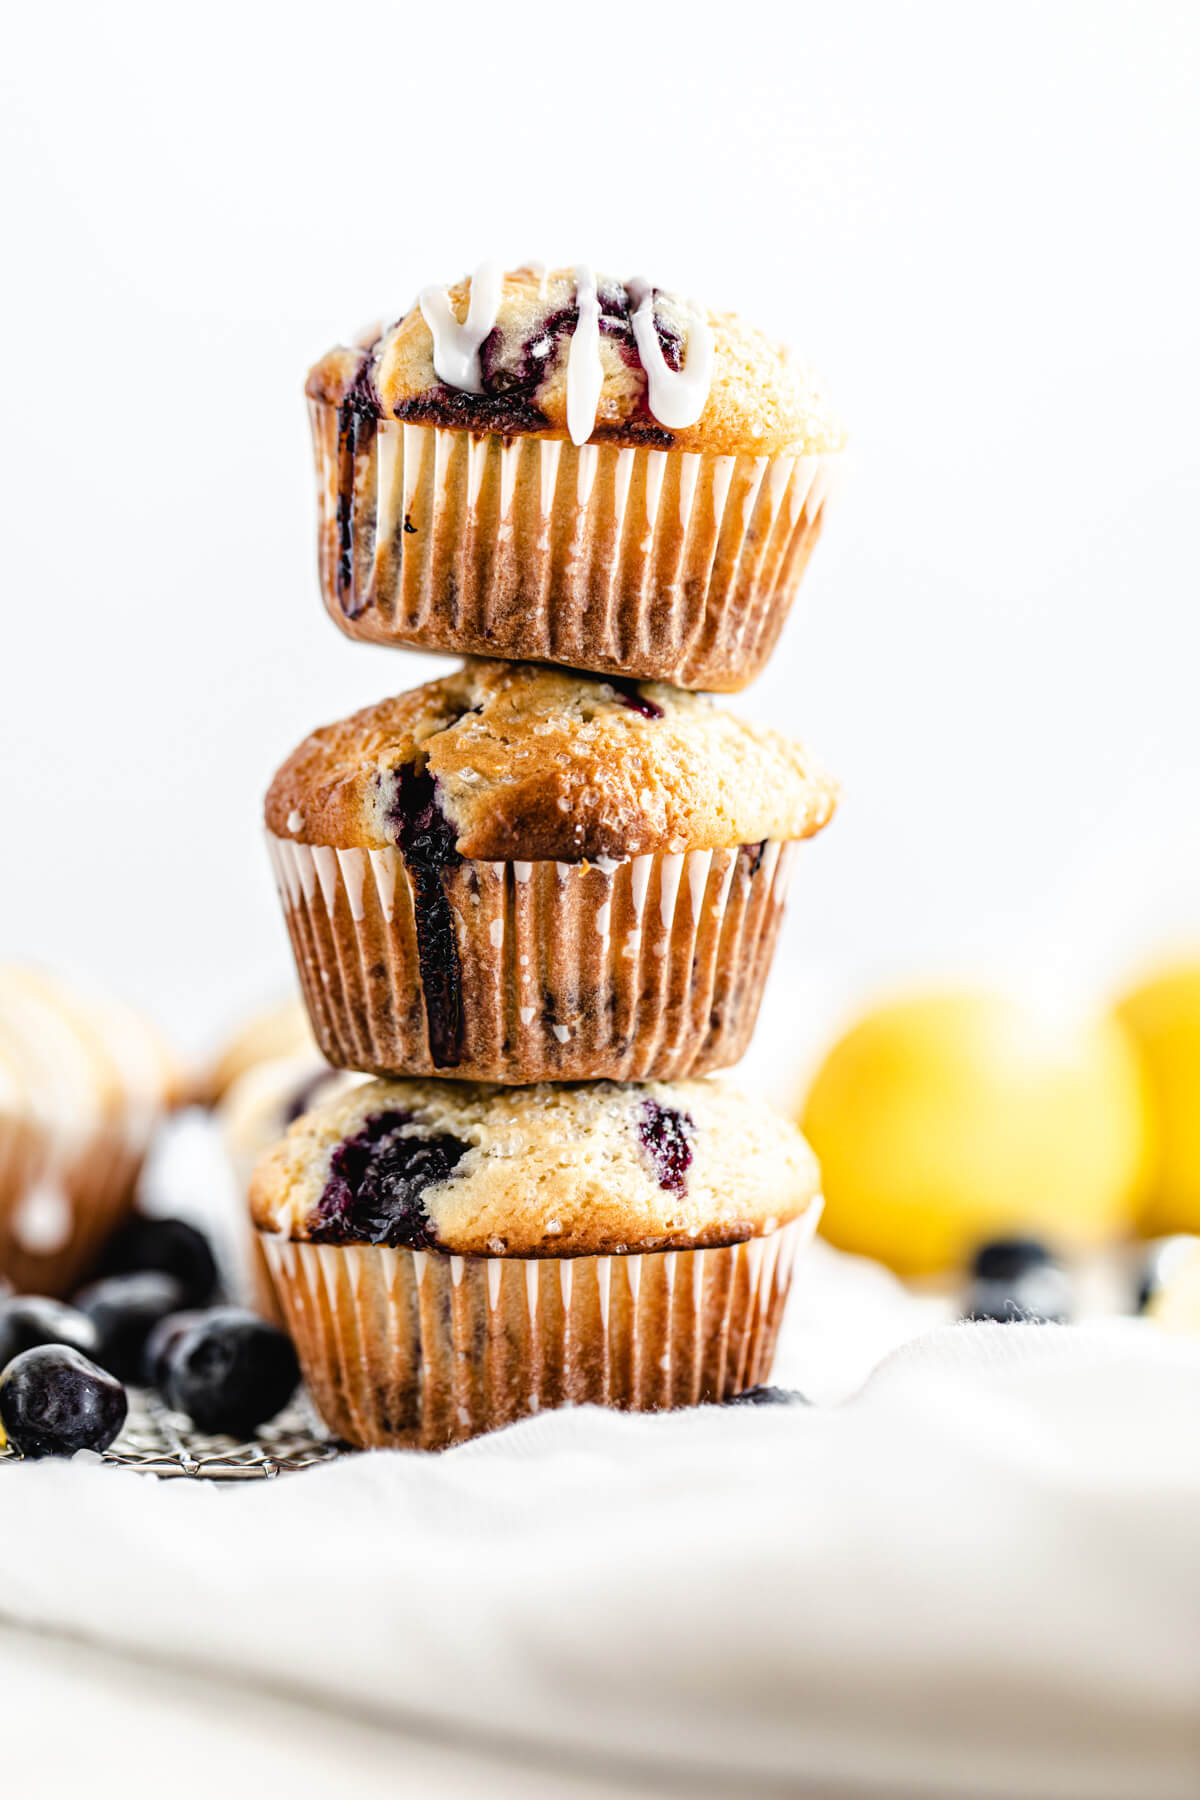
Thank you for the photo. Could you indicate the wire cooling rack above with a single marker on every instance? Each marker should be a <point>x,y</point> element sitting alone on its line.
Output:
<point>158,1442</point>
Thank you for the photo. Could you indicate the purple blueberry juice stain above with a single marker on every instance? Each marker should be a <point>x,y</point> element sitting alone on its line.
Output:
<point>500,415</point>
<point>362,396</point>
<point>630,695</point>
<point>666,1136</point>
<point>358,412</point>
<point>426,840</point>
<point>376,1182</point>
<point>754,855</point>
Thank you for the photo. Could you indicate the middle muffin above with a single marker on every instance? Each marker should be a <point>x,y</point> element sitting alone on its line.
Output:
<point>522,874</point>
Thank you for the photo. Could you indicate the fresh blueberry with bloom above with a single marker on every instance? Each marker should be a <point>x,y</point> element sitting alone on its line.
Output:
<point>229,1371</point>
<point>29,1320</point>
<point>169,1247</point>
<point>125,1309</point>
<point>54,1401</point>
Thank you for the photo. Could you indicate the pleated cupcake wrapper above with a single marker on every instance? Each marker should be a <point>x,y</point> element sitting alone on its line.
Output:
<point>98,1183</point>
<point>655,563</point>
<point>420,1349</point>
<point>646,969</point>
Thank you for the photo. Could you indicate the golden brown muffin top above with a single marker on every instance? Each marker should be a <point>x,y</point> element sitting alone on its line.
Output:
<point>559,1169</point>
<point>760,400</point>
<point>524,762</point>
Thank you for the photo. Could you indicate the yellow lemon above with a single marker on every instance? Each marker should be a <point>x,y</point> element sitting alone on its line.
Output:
<point>956,1116</point>
<point>1164,1016</point>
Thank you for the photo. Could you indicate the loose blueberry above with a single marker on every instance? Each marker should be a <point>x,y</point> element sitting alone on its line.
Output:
<point>125,1309</point>
<point>230,1372</point>
<point>170,1247</point>
<point>1040,1297</point>
<point>161,1341</point>
<point>376,1182</point>
<point>53,1402</point>
<point>1008,1259</point>
<point>27,1321</point>
<point>666,1137</point>
<point>769,1396</point>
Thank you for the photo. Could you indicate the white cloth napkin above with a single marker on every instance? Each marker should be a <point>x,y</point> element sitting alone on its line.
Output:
<point>976,1575</point>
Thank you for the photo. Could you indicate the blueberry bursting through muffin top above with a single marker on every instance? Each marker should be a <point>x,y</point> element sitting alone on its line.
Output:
<point>568,353</point>
<point>553,1169</point>
<point>378,1177</point>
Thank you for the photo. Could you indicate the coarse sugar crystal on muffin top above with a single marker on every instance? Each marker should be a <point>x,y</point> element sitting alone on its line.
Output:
<point>583,1169</point>
<point>504,762</point>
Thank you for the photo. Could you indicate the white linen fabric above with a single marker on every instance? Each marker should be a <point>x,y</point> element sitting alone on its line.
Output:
<point>976,1574</point>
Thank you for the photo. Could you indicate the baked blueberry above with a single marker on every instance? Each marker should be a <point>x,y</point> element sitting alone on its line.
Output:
<point>230,1371</point>
<point>376,1180</point>
<point>666,1137</point>
<point>29,1320</point>
<point>125,1309</point>
<point>1017,1280</point>
<point>170,1246</point>
<point>765,1395</point>
<point>54,1401</point>
<point>161,1341</point>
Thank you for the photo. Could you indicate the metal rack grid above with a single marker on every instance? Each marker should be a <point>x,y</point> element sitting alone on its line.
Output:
<point>158,1442</point>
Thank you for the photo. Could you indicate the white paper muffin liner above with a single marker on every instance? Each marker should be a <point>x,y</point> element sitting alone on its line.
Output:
<point>664,564</point>
<point>647,969</point>
<point>420,1349</point>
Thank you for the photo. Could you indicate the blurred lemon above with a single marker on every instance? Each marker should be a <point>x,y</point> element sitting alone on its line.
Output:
<point>1164,1016</point>
<point>947,1119</point>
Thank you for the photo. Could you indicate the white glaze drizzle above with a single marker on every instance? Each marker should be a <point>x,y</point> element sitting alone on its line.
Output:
<point>585,371</point>
<point>44,1218</point>
<point>676,396</point>
<point>456,347</point>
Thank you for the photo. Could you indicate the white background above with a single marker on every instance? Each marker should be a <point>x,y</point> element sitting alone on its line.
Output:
<point>980,224</point>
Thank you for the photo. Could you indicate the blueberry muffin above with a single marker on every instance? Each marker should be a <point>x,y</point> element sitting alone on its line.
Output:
<point>255,1108</point>
<point>83,1082</point>
<point>450,1257</point>
<point>271,1034</point>
<point>519,873</point>
<point>570,468</point>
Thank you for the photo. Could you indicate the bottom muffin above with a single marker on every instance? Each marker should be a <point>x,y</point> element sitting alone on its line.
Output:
<point>451,1257</point>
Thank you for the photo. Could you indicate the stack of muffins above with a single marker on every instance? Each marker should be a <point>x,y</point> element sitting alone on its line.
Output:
<point>540,903</point>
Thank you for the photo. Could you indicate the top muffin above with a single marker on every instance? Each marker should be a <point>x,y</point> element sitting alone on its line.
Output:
<point>568,355</point>
<point>571,469</point>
